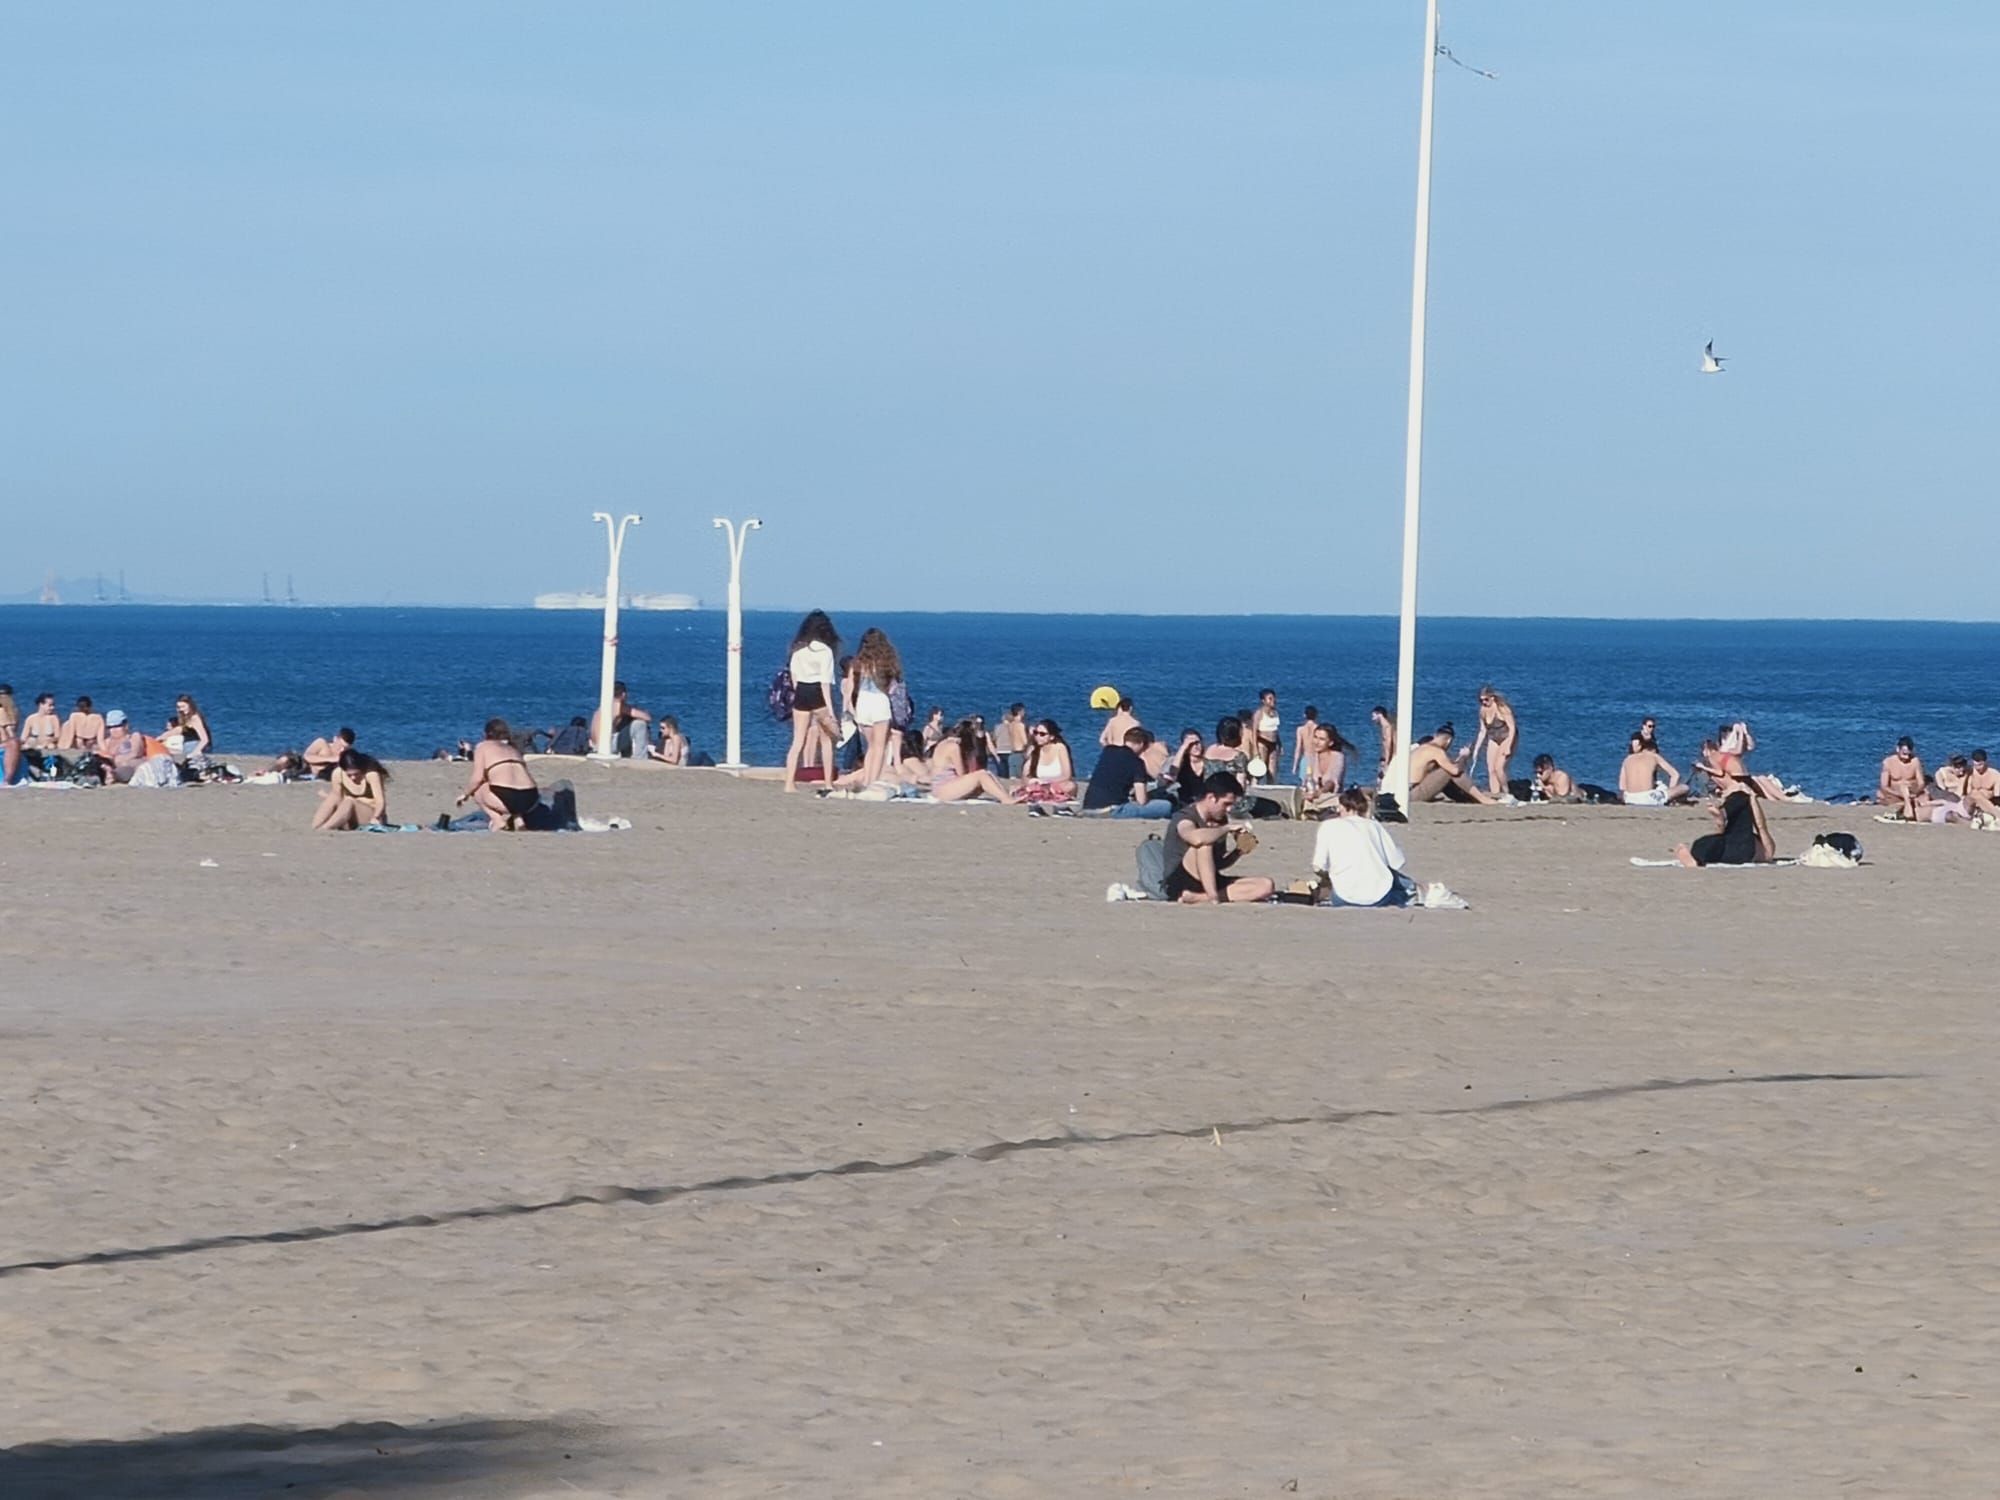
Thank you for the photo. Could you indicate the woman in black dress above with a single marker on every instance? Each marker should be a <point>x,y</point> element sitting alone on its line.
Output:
<point>1742,837</point>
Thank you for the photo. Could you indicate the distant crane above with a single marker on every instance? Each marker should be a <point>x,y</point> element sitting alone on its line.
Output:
<point>291,597</point>
<point>267,590</point>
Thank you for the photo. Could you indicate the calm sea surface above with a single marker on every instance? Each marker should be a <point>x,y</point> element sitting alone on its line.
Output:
<point>1826,699</point>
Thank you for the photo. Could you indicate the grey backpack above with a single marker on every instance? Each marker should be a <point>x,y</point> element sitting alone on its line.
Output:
<point>1152,858</point>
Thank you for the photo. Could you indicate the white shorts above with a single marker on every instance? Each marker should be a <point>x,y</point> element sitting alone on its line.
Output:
<point>1657,797</point>
<point>871,707</point>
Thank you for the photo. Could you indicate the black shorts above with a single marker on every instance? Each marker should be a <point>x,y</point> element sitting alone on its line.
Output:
<point>518,800</point>
<point>808,697</point>
<point>1180,883</point>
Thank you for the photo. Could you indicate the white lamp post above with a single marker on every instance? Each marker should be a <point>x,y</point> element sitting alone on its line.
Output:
<point>1413,453</point>
<point>615,536</point>
<point>736,537</point>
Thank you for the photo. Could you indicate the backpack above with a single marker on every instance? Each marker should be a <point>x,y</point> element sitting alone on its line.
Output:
<point>1152,861</point>
<point>779,697</point>
<point>902,712</point>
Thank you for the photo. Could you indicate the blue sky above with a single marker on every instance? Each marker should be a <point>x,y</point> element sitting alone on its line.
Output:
<point>1032,306</point>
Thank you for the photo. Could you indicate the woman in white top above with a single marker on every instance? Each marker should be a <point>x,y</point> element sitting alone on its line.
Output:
<point>1360,863</point>
<point>875,669</point>
<point>814,648</point>
<point>1268,729</point>
<point>1048,775</point>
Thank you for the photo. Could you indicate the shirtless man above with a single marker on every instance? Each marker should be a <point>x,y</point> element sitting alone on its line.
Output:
<point>82,731</point>
<point>631,726</point>
<point>1197,851</point>
<point>1435,771</point>
<point>322,755</point>
<point>1902,783</point>
<point>1639,775</point>
<point>1553,783</point>
<point>1122,718</point>
<point>1385,727</point>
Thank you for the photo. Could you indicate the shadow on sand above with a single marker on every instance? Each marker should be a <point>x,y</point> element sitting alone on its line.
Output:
<point>652,1197</point>
<point>378,1459</point>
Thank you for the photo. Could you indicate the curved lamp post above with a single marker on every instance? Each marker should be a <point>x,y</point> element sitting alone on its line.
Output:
<point>614,535</point>
<point>736,536</point>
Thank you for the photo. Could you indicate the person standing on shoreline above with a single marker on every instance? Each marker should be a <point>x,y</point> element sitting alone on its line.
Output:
<point>1385,730</point>
<point>815,648</point>
<point>1269,732</point>
<point>1499,733</point>
<point>1010,740</point>
<point>1302,741</point>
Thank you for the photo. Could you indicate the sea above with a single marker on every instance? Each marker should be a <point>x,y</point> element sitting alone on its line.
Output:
<point>1826,699</point>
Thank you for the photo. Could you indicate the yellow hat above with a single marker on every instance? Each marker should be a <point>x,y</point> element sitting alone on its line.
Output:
<point>1104,697</point>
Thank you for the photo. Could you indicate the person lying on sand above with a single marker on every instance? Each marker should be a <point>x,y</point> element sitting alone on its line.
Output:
<point>1198,849</point>
<point>322,755</point>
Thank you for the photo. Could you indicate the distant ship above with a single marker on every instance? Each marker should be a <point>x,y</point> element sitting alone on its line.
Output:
<point>594,600</point>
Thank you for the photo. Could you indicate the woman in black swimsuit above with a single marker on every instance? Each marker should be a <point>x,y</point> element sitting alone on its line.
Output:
<point>501,783</point>
<point>1742,836</point>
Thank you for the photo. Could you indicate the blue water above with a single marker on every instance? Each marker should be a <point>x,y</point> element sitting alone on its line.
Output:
<point>1826,699</point>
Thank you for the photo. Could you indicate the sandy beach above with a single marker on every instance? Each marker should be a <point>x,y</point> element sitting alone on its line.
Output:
<point>778,1146</point>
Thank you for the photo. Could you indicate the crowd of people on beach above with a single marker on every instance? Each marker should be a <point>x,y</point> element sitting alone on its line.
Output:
<point>856,733</point>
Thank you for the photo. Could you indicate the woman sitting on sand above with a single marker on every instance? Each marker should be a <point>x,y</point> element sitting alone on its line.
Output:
<point>958,768</point>
<point>193,726</point>
<point>1742,837</point>
<point>1187,768</point>
<point>673,746</point>
<point>501,784</point>
<point>1323,772</point>
<point>356,795</point>
<point>1228,753</point>
<point>1048,774</point>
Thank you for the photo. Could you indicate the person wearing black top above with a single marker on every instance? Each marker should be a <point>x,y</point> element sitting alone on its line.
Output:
<point>1121,786</point>
<point>1742,838</point>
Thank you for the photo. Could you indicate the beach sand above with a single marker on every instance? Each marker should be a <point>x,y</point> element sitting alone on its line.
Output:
<point>529,1150</point>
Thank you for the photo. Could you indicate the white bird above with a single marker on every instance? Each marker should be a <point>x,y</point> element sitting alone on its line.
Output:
<point>1711,362</point>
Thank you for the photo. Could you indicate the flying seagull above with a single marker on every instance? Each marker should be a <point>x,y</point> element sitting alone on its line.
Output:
<point>1711,362</point>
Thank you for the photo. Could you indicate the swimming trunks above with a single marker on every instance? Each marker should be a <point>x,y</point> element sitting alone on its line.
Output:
<point>1656,797</point>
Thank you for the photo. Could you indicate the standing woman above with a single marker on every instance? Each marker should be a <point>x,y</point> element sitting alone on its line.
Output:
<point>1269,729</point>
<point>814,650</point>
<point>1498,733</point>
<point>875,669</point>
<point>501,784</point>
<point>1048,774</point>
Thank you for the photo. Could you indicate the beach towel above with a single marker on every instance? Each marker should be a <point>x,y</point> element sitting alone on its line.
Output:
<point>1674,864</point>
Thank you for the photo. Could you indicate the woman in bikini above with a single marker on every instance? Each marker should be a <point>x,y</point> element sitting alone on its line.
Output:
<point>356,795</point>
<point>502,785</point>
<point>195,736</point>
<point>814,658</point>
<point>1269,729</point>
<point>1048,774</point>
<point>673,746</point>
<point>958,768</point>
<point>1499,732</point>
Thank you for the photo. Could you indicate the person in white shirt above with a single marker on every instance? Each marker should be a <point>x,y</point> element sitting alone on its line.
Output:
<point>813,663</point>
<point>1360,864</point>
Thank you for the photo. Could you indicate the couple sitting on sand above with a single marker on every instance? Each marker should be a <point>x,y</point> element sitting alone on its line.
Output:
<point>1355,861</point>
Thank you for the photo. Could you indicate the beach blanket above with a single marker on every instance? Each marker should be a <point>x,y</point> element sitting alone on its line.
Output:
<point>1674,864</point>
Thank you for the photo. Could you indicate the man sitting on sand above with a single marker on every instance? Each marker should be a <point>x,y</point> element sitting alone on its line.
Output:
<point>322,755</point>
<point>1195,854</point>
<point>631,726</point>
<point>1436,774</point>
<point>81,732</point>
<point>1122,784</point>
<point>1982,786</point>
<point>1553,783</point>
<point>1901,785</point>
<point>1639,776</point>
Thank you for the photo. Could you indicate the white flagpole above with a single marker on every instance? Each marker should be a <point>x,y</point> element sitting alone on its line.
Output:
<point>1413,453</point>
<point>736,537</point>
<point>615,537</point>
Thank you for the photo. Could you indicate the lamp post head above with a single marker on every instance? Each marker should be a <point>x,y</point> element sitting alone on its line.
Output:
<point>754,524</point>
<point>598,515</point>
<point>718,522</point>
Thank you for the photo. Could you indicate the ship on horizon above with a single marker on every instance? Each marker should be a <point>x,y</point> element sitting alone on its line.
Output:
<point>593,599</point>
